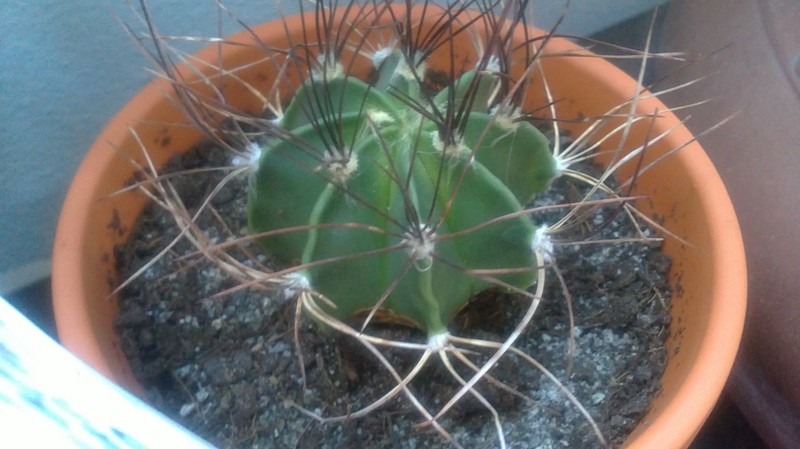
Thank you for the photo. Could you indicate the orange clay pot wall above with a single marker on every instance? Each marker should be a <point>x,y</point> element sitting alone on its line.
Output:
<point>683,190</point>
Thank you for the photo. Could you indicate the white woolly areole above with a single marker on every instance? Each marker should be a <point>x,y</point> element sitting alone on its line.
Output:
<point>506,116</point>
<point>250,158</point>
<point>542,244</point>
<point>294,283</point>
<point>405,71</point>
<point>561,166</point>
<point>421,248</point>
<point>339,167</point>
<point>379,117</point>
<point>439,341</point>
<point>328,67</point>
<point>457,149</point>
<point>379,56</point>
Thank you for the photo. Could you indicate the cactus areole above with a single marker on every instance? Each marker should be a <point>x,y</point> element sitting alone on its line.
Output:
<point>388,197</point>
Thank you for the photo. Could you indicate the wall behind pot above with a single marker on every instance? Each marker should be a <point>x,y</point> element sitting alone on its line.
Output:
<point>755,76</point>
<point>67,67</point>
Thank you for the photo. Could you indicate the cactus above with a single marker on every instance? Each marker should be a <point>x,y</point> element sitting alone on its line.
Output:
<point>390,200</point>
<point>399,202</point>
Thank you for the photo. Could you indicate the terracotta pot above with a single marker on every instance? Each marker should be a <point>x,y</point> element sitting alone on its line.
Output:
<point>684,190</point>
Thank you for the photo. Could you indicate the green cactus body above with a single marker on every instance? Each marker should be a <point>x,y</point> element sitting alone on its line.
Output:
<point>367,185</point>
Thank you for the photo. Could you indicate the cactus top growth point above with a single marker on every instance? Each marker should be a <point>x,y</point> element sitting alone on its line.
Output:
<point>398,200</point>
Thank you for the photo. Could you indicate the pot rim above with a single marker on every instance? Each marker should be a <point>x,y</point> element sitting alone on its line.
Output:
<point>694,398</point>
